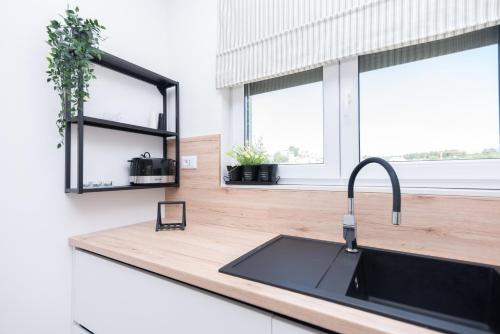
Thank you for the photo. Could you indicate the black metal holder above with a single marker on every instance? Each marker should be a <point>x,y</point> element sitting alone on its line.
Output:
<point>162,84</point>
<point>251,183</point>
<point>171,226</point>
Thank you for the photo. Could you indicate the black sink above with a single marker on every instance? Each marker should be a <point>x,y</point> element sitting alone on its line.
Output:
<point>454,291</point>
<point>451,296</point>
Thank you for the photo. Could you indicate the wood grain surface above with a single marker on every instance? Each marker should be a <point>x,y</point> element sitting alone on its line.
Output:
<point>224,223</point>
<point>465,228</point>
<point>195,255</point>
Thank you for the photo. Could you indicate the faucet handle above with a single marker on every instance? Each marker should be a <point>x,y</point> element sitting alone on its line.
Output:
<point>396,217</point>
<point>349,221</point>
<point>349,233</point>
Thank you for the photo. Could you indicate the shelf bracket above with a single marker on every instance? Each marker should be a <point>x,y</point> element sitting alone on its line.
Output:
<point>162,89</point>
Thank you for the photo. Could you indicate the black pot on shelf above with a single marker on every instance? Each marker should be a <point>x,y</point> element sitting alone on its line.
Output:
<point>268,172</point>
<point>250,172</point>
<point>234,173</point>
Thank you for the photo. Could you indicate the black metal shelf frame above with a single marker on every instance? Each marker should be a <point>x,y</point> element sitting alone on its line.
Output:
<point>106,124</point>
<point>162,84</point>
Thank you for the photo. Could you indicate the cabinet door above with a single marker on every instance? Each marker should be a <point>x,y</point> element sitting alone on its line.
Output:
<point>284,326</point>
<point>110,297</point>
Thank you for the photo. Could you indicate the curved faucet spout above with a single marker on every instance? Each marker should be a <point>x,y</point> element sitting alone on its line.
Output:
<point>349,222</point>
<point>396,190</point>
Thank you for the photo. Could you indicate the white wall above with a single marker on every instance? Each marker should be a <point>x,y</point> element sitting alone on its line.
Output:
<point>192,42</point>
<point>205,110</point>
<point>37,217</point>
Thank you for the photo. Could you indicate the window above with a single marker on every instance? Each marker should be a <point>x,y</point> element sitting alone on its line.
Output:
<point>438,108</point>
<point>285,116</point>
<point>295,118</point>
<point>431,109</point>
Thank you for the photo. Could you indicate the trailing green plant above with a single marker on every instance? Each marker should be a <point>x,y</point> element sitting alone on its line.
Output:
<point>73,43</point>
<point>248,155</point>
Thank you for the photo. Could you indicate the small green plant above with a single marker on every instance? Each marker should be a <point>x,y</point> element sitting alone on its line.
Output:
<point>73,43</point>
<point>249,155</point>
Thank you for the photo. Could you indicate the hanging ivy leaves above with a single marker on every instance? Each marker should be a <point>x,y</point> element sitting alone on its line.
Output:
<point>73,43</point>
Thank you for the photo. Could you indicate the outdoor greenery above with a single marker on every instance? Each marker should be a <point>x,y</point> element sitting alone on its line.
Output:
<point>284,157</point>
<point>280,158</point>
<point>296,155</point>
<point>489,153</point>
<point>248,155</point>
<point>73,43</point>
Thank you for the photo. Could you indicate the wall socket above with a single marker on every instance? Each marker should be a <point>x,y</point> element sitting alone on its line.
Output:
<point>189,162</point>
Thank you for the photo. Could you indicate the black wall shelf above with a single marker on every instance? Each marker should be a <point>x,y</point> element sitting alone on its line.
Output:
<point>162,84</point>
<point>119,188</point>
<point>122,66</point>
<point>103,123</point>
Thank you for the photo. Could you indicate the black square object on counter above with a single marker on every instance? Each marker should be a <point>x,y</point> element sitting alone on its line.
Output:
<point>160,226</point>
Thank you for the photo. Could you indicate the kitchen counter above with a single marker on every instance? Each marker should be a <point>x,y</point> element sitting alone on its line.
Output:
<point>194,256</point>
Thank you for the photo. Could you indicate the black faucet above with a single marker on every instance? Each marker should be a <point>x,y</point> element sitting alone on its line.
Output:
<point>349,222</point>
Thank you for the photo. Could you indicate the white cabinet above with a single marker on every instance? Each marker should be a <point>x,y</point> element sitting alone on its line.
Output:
<point>285,326</point>
<point>114,298</point>
<point>110,297</point>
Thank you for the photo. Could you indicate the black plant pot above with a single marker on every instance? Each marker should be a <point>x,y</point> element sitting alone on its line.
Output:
<point>268,172</point>
<point>250,173</point>
<point>234,173</point>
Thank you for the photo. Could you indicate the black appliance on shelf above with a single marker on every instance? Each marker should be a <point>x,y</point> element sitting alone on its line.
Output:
<point>147,170</point>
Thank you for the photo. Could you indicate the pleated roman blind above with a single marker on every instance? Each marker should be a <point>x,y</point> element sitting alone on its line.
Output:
<point>262,39</point>
<point>288,81</point>
<point>471,40</point>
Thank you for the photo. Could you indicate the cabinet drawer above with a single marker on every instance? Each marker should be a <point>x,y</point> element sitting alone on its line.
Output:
<point>110,297</point>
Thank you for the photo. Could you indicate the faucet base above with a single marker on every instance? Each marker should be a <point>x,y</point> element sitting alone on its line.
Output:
<point>349,233</point>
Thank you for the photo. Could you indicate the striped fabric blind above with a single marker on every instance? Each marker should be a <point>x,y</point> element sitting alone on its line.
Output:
<point>262,39</point>
<point>471,40</point>
<point>287,81</point>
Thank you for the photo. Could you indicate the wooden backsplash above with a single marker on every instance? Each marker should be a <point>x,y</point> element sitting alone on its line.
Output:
<point>466,228</point>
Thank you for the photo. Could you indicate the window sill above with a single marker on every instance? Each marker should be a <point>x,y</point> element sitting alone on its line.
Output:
<point>376,189</point>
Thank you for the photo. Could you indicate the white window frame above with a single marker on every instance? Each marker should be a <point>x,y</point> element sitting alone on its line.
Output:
<point>341,147</point>
<point>327,172</point>
<point>481,174</point>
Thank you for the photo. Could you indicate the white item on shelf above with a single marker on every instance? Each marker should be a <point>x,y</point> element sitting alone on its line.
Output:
<point>153,120</point>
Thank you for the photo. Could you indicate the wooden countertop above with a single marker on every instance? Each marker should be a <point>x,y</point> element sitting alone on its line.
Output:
<point>195,255</point>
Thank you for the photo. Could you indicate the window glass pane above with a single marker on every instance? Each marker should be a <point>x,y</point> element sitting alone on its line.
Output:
<point>289,123</point>
<point>441,108</point>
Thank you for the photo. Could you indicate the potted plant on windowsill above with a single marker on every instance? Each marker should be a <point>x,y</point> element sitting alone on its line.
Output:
<point>268,173</point>
<point>249,158</point>
<point>234,173</point>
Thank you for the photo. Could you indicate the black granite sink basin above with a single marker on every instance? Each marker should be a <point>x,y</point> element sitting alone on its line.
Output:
<point>450,296</point>
<point>455,291</point>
